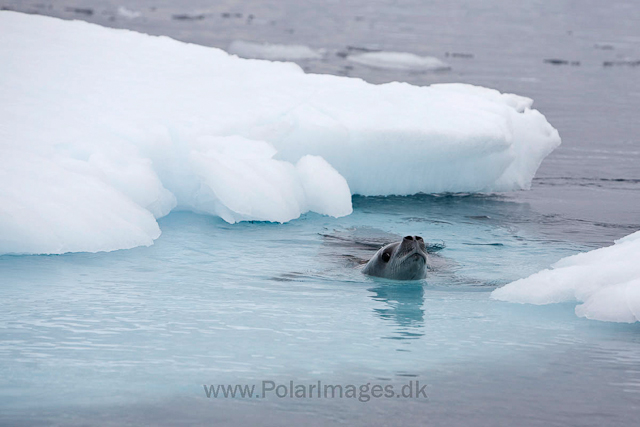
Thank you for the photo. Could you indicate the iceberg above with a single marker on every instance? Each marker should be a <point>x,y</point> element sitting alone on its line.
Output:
<point>102,131</point>
<point>606,281</point>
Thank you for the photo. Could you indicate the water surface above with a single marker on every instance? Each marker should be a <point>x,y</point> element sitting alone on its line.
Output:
<point>131,337</point>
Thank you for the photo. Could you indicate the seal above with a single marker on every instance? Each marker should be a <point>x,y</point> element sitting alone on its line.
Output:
<point>405,260</point>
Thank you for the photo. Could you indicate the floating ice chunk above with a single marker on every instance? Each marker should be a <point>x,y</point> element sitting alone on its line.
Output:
<point>399,61</point>
<point>152,123</point>
<point>605,280</point>
<point>128,13</point>
<point>274,52</point>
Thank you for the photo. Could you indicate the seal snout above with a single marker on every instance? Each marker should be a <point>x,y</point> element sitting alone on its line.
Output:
<point>412,247</point>
<point>412,243</point>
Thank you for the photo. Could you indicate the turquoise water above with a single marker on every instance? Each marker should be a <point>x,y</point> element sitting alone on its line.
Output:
<point>212,303</point>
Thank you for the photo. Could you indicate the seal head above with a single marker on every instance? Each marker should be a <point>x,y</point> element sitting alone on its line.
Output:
<point>405,260</point>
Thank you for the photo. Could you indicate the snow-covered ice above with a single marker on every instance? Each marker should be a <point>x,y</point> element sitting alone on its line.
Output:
<point>102,131</point>
<point>274,52</point>
<point>399,61</point>
<point>606,281</point>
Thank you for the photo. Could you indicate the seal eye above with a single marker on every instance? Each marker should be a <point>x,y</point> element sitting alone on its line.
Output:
<point>386,256</point>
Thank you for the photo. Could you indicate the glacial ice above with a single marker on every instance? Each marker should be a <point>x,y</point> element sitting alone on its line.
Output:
<point>102,131</point>
<point>606,281</point>
<point>399,61</point>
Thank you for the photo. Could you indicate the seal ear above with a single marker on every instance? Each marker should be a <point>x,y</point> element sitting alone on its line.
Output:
<point>386,256</point>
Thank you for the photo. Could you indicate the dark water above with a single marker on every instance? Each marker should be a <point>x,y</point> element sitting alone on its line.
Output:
<point>130,337</point>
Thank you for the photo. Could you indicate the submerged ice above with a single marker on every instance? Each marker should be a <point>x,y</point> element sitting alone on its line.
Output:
<point>103,131</point>
<point>606,281</point>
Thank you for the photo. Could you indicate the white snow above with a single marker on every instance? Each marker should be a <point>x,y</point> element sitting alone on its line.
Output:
<point>399,61</point>
<point>274,52</point>
<point>606,281</point>
<point>104,130</point>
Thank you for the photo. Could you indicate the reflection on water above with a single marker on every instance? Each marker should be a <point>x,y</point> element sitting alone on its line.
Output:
<point>403,308</point>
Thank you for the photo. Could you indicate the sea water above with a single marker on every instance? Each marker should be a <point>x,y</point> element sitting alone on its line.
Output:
<point>133,336</point>
<point>102,335</point>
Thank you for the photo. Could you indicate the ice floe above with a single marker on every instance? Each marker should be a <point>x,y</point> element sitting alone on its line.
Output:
<point>605,281</point>
<point>102,131</point>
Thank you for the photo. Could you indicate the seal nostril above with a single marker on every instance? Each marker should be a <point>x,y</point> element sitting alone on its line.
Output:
<point>408,237</point>
<point>418,238</point>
